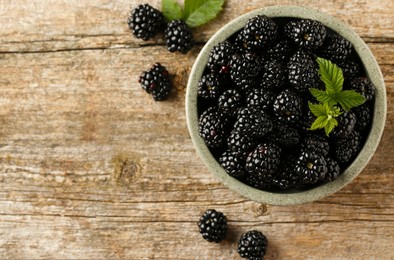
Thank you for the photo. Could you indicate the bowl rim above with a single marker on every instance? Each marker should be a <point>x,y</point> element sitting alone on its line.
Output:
<point>371,68</point>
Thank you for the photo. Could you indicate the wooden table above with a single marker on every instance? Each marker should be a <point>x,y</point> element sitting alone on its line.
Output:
<point>92,167</point>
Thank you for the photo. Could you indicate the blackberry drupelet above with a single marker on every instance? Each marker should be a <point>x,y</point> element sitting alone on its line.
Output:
<point>233,165</point>
<point>210,86</point>
<point>260,32</point>
<point>346,123</point>
<point>211,127</point>
<point>316,143</point>
<point>348,147</point>
<point>363,86</point>
<point>288,106</point>
<point>333,170</point>
<point>220,57</point>
<point>253,122</point>
<point>306,33</point>
<point>244,68</point>
<point>311,167</point>
<point>156,81</point>
<point>213,226</point>
<point>252,245</point>
<point>303,72</point>
<point>145,22</point>
<point>273,75</point>
<point>336,48</point>
<point>240,144</point>
<point>230,102</point>
<point>178,36</point>
<point>260,98</point>
<point>264,160</point>
<point>363,114</point>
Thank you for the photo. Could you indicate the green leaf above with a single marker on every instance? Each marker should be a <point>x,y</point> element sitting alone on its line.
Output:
<point>349,99</point>
<point>319,123</point>
<point>331,124</point>
<point>199,12</point>
<point>320,95</point>
<point>331,75</point>
<point>317,109</point>
<point>171,10</point>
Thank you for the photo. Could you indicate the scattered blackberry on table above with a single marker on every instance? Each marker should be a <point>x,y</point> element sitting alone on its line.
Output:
<point>333,170</point>
<point>288,106</point>
<point>273,75</point>
<point>260,98</point>
<point>348,147</point>
<point>316,143</point>
<point>264,160</point>
<point>252,245</point>
<point>244,69</point>
<point>311,167</point>
<point>363,86</point>
<point>220,57</point>
<point>156,81</point>
<point>259,32</point>
<point>363,114</point>
<point>336,48</point>
<point>230,102</point>
<point>346,123</point>
<point>253,122</point>
<point>145,22</point>
<point>178,36</point>
<point>210,86</point>
<point>211,127</point>
<point>306,33</point>
<point>233,165</point>
<point>213,226</point>
<point>240,144</point>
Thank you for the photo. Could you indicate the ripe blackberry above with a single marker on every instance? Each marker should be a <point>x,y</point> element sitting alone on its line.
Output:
<point>333,170</point>
<point>260,99</point>
<point>303,72</point>
<point>145,22</point>
<point>220,56</point>
<point>281,51</point>
<point>233,165</point>
<point>336,48</point>
<point>284,134</point>
<point>306,33</point>
<point>311,167</point>
<point>213,226</point>
<point>363,86</point>
<point>288,106</point>
<point>363,114</point>
<point>346,123</point>
<point>156,81</point>
<point>350,69</point>
<point>240,144</point>
<point>348,147</point>
<point>178,36</point>
<point>230,101</point>
<point>259,32</point>
<point>243,70</point>
<point>253,122</point>
<point>273,75</point>
<point>209,87</point>
<point>316,143</point>
<point>211,127</point>
<point>264,160</point>
<point>286,177</point>
<point>252,245</point>
<point>260,181</point>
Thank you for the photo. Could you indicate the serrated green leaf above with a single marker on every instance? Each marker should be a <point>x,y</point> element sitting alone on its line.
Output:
<point>349,99</point>
<point>199,12</point>
<point>319,123</point>
<point>320,95</point>
<point>317,109</point>
<point>331,75</point>
<point>331,124</point>
<point>171,10</point>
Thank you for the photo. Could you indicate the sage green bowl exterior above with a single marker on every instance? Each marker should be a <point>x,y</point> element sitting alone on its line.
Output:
<point>299,197</point>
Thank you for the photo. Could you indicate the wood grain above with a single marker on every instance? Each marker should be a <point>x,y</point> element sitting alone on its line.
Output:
<point>92,168</point>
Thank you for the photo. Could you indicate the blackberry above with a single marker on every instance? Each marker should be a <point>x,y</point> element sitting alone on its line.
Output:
<point>213,226</point>
<point>240,144</point>
<point>220,56</point>
<point>243,70</point>
<point>363,86</point>
<point>273,75</point>
<point>336,48</point>
<point>233,165</point>
<point>260,99</point>
<point>145,22</point>
<point>317,144</point>
<point>253,122</point>
<point>252,245</point>
<point>260,181</point>
<point>364,117</point>
<point>286,177</point>
<point>210,86</point>
<point>285,135</point>
<point>303,72</point>
<point>230,101</point>
<point>306,33</point>
<point>281,51</point>
<point>211,127</point>
<point>350,69</point>
<point>259,32</point>
<point>333,170</point>
<point>264,160</point>
<point>311,167</point>
<point>348,147</point>
<point>346,123</point>
<point>178,36</point>
<point>156,81</point>
<point>288,106</point>
<point>307,120</point>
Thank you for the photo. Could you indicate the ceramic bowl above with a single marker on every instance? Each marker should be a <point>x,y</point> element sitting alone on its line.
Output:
<point>289,198</point>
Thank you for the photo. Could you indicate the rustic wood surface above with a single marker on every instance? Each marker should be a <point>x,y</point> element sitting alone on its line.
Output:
<point>91,167</point>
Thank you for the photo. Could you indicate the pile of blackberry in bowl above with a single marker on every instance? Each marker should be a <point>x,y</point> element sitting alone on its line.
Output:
<point>286,105</point>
